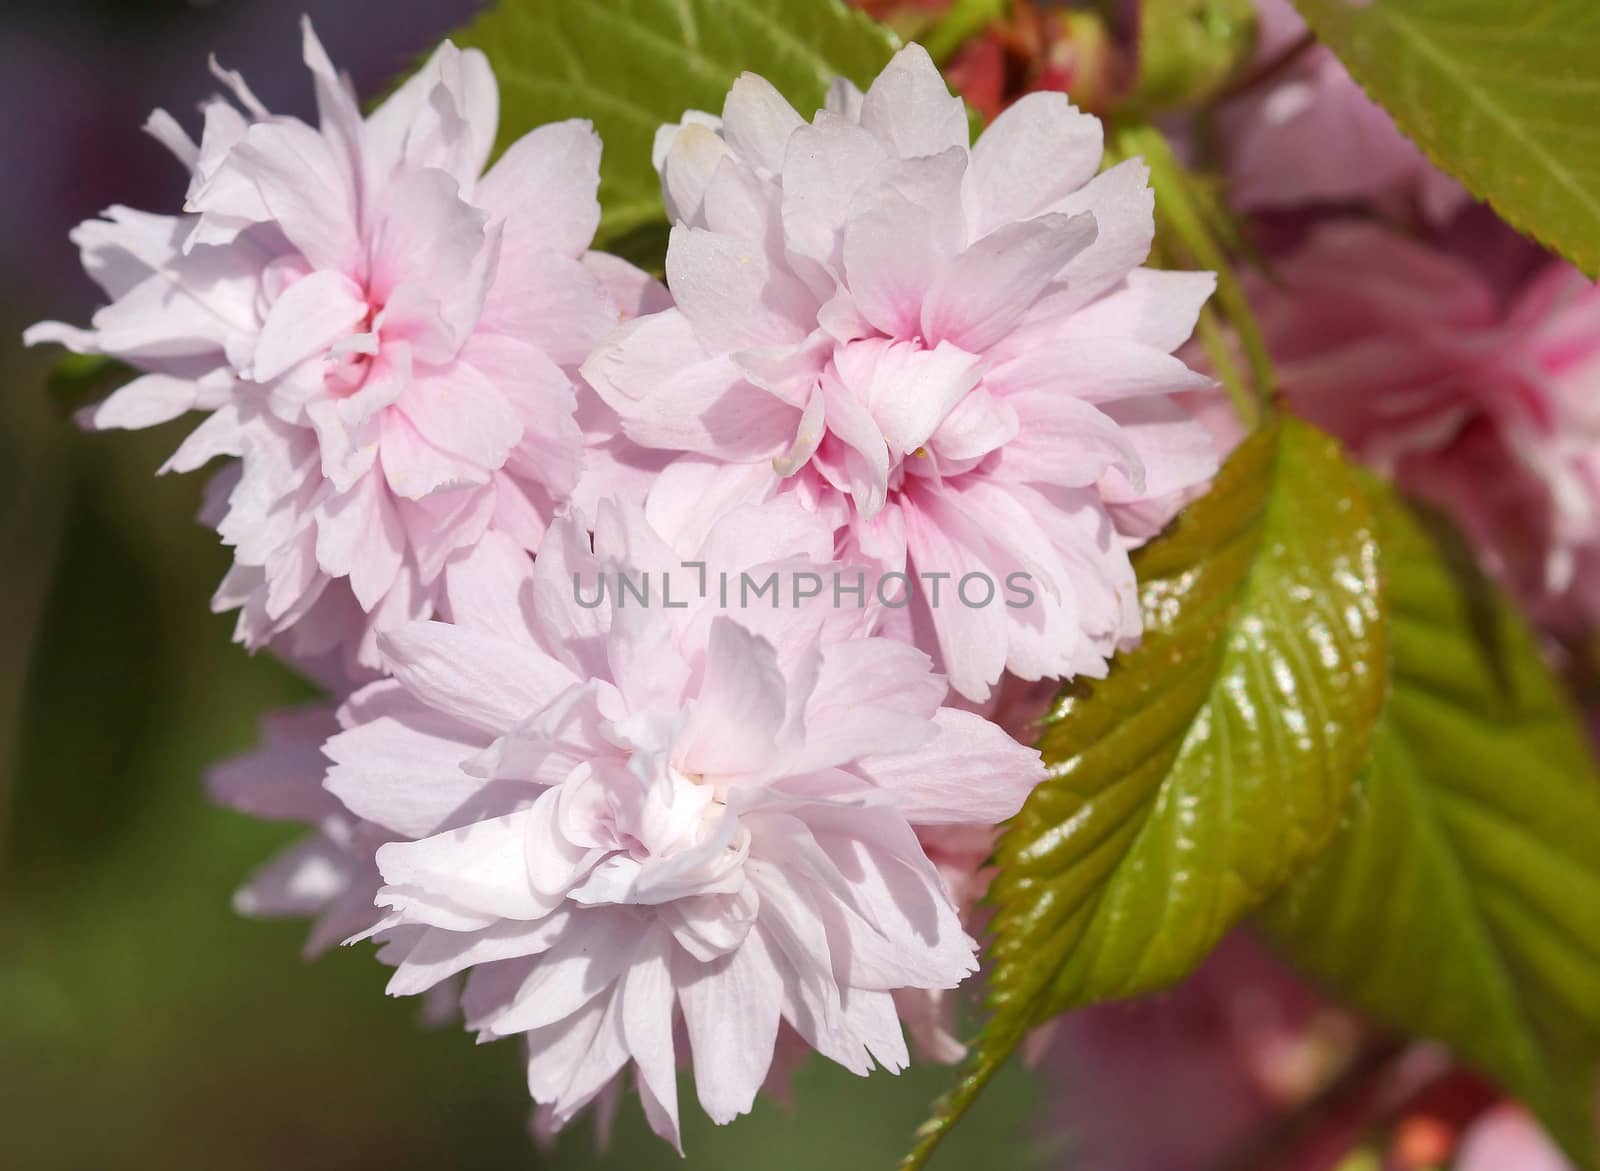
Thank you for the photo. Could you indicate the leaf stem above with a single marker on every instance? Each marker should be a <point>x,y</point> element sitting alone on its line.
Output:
<point>1215,340</point>
<point>1178,210</point>
<point>953,1106</point>
<point>1271,70</point>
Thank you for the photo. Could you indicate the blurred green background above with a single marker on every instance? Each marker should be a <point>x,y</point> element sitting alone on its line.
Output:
<point>142,1024</point>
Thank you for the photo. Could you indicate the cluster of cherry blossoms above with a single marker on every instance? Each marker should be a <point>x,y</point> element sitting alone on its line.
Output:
<point>684,640</point>
<point>491,487</point>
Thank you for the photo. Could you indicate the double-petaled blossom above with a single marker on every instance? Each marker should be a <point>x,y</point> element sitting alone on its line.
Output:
<point>948,352</point>
<point>634,822</point>
<point>1481,402</point>
<point>1305,133</point>
<point>386,335</point>
<point>329,875</point>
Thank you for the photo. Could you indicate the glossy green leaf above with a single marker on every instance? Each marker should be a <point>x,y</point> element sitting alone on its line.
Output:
<point>1500,94</point>
<point>632,65</point>
<point>1462,899</point>
<point>1212,763</point>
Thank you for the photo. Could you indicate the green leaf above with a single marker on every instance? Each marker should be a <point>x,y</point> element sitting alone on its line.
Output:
<point>632,65</point>
<point>1462,898</point>
<point>1211,764</point>
<point>1500,94</point>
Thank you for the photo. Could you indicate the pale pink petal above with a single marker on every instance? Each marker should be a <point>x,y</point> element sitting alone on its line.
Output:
<point>648,1010</point>
<point>1123,207</point>
<point>1099,371</point>
<point>462,411</point>
<point>633,291</point>
<point>740,708</point>
<point>306,190</point>
<point>1039,150</point>
<point>490,587</point>
<point>855,440</point>
<point>359,536</point>
<point>398,763</point>
<point>909,107</point>
<point>972,641</point>
<point>728,291</point>
<point>551,301</point>
<point>304,322</point>
<point>424,232</point>
<point>671,393</point>
<point>145,402</point>
<point>827,164</point>
<point>731,1012</point>
<point>580,967</point>
<point>480,868</point>
<point>1174,454</point>
<point>693,152</point>
<point>691,494</point>
<point>971,771</point>
<point>909,391</point>
<point>281,778</point>
<point>1154,307</point>
<point>757,121</point>
<point>437,955</point>
<point>407,121</point>
<point>1053,424</point>
<point>414,468</point>
<point>543,399</point>
<point>891,262</point>
<point>985,292</point>
<point>543,188</point>
<point>489,682</point>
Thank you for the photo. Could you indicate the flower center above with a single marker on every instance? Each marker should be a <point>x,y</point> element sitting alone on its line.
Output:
<point>350,359</point>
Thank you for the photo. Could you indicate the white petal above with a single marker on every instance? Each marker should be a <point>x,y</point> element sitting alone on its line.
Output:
<point>970,772</point>
<point>315,312</point>
<point>910,108</point>
<point>740,708</point>
<point>480,868</point>
<point>648,1010</point>
<point>1037,152</point>
<point>757,121</point>
<point>492,683</point>
<point>730,1011</point>
<point>145,402</point>
<point>986,291</point>
<point>544,188</point>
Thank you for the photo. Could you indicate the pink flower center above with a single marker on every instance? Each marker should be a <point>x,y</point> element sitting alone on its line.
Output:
<point>351,360</point>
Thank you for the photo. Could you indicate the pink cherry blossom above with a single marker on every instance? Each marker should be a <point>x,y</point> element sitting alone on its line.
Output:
<point>384,334</point>
<point>625,817</point>
<point>329,875</point>
<point>1308,134</point>
<point>949,352</point>
<point>1212,1064</point>
<point>1486,408</point>
<point>961,854</point>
